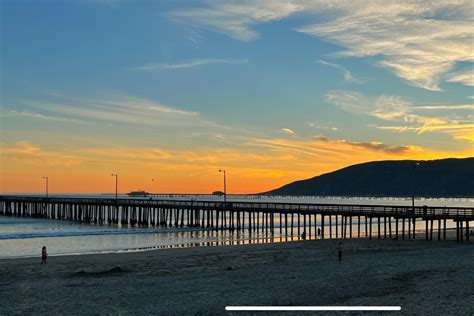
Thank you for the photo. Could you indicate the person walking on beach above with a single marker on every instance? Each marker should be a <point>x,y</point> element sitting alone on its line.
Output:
<point>319,231</point>
<point>44,255</point>
<point>339,251</point>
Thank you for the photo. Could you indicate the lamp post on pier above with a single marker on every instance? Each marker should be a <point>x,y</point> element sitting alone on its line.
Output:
<point>116,184</point>
<point>225,186</point>
<point>46,178</point>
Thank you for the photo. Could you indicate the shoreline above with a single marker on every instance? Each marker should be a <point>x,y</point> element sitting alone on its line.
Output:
<point>420,235</point>
<point>422,277</point>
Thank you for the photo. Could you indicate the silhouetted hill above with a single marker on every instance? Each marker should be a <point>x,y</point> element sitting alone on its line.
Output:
<point>433,178</point>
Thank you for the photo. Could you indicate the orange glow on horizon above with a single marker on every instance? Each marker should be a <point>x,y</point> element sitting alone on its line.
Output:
<point>265,165</point>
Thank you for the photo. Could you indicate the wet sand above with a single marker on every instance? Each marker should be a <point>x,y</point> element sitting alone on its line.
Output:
<point>424,278</point>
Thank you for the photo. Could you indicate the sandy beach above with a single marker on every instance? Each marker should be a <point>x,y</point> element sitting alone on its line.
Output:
<point>424,278</point>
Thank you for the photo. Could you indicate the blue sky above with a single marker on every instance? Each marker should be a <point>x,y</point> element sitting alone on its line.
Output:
<point>213,76</point>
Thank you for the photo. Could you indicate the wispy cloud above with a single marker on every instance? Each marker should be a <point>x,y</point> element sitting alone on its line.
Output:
<point>394,108</point>
<point>323,127</point>
<point>288,131</point>
<point>465,77</point>
<point>406,114</point>
<point>349,101</point>
<point>29,153</point>
<point>374,146</point>
<point>445,107</point>
<point>34,115</point>
<point>25,147</point>
<point>348,76</point>
<point>129,110</point>
<point>391,108</point>
<point>235,19</point>
<point>189,64</point>
<point>420,42</point>
<point>323,149</point>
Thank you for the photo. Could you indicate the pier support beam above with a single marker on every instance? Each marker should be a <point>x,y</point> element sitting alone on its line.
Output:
<point>396,228</point>
<point>330,226</point>
<point>350,227</point>
<point>426,228</point>
<point>322,226</point>
<point>403,228</point>
<point>431,231</point>
<point>370,235</point>
<point>358,226</point>
<point>439,229</point>
<point>467,231</point>
<point>444,229</point>
<point>414,227</point>
<point>378,227</point>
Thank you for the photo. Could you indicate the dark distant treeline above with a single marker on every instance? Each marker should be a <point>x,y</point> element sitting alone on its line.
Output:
<point>432,178</point>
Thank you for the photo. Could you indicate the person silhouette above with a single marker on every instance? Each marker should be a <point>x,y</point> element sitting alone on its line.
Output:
<point>44,255</point>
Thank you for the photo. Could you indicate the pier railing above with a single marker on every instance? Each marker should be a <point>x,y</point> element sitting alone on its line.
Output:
<point>343,209</point>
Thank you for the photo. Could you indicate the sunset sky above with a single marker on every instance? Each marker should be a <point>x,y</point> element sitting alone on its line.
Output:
<point>271,91</point>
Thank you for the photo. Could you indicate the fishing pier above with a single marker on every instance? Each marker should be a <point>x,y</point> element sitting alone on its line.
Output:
<point>304,219</point>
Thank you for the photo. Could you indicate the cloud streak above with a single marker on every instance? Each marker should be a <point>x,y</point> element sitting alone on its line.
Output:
<point>235,19</point>
<point>189,64</point>
<point>25,147</point>
<point>288,131</point>
<point>465,77</point>
<point>373,146</point>
<point>26,152</point>
<point>445,107</point>
<point>349,101</point>
<point>34,115</point>
<point>128,110</point>
<point>348,76</point>
<point>406,114</point>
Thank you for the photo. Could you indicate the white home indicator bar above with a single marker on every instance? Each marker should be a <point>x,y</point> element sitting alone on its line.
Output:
<point>313,308</point>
